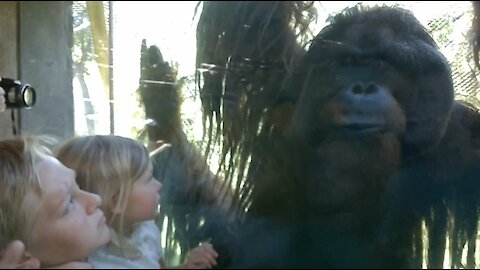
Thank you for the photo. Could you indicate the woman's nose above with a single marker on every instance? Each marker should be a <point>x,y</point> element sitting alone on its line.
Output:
<point>92,202</point>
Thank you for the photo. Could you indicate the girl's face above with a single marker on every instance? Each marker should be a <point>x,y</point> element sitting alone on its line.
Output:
<point>143,201</point>
<point>68,225</point>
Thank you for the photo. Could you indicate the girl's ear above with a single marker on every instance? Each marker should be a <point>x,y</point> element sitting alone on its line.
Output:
<point>114,205</point>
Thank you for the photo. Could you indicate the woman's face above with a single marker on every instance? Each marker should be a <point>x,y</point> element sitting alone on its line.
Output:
<point>67,225</point>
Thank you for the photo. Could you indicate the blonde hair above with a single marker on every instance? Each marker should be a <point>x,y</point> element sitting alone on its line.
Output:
<point>18,176</point>
<point>107,165</point>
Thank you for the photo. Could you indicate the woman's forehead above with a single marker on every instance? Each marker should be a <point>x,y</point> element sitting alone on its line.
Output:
<point>56,180</point>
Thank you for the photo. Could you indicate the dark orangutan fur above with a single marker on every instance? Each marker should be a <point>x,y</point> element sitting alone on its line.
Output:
<point>438,195</point>
<point>373,165</point>
<point>240,59</point>
<point>243,50</point>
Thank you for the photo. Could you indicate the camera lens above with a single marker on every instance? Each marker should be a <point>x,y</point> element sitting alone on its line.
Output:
<point>17,94</point>
<point>28,96</point>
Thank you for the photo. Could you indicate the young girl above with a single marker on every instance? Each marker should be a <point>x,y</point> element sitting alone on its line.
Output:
<point>43,208</point>
<point>120,171</point>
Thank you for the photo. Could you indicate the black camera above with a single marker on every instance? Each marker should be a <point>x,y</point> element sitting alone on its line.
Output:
<point>18,95</point>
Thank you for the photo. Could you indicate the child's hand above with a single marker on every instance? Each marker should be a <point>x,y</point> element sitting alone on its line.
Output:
<point>201,257</point>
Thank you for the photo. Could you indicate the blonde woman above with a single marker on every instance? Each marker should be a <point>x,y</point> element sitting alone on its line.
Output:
<point>120,171</point>
<point>13,255</point>
<point>41,206</point>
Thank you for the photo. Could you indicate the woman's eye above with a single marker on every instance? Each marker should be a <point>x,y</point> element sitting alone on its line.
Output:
<point>70,206</point>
